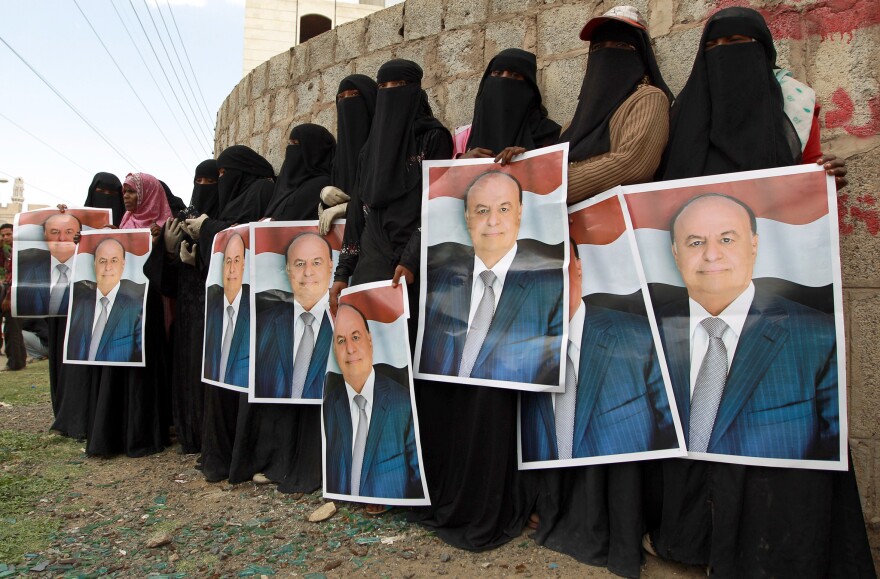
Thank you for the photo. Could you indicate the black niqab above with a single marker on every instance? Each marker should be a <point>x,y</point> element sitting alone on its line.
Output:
<point>354,116</point>
<point>390,160</point>
<point>306,170</point>
<point>613,74</point>
<point>729,116</point>
<point>112,201</point>
<point>508,112</point>
<point>205,197</point>
<point>242,167</point>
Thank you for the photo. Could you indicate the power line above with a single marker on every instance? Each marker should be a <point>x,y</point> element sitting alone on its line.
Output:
<point>69,104</point>
<point>156,83</point>
<point>19,127</point>
<point>185,53</point>
<point>29,184</point>
<point>174,70</point>
<point>137,96</point>
<point>180,62</point>
<point>162,68</point>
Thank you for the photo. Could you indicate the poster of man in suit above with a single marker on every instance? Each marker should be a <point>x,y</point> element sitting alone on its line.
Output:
<point>494,256</point>
<point>618,404</point>
<point>105,320</point>
<point>371,438</point>
<point>748,300</point>
<point>228,311</point>
<point>43,255</point>
<point>292,328</point>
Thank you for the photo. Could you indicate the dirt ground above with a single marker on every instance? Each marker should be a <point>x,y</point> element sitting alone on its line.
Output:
<point>67,515</point>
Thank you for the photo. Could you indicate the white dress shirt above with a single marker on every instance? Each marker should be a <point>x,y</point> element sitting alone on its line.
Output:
<point>367,392</point>
<point>299,327</point>
<point>55,275</point>
<point>733,315</point>
<point>110,296</point>
<point>236,303</point>
<point>575,335</point>
<point>500,270</point>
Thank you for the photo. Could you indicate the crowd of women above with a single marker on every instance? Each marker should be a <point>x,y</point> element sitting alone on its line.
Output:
<point>732,115</point>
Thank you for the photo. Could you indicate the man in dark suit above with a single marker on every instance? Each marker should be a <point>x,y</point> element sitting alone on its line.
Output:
<point>753,374</point>
<point>227,324</point>
<point>368,421</point>
<point>615,401</point>
<point>294,335</point>
<point>43,276</point>
<point>495,310</point>
<point>106,318</point>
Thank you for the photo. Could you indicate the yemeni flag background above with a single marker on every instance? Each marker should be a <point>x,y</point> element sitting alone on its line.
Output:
<point>798,256</point>
<point>542,174</point>
<point>608,255</point>
<point>215,269</point>
<point>269,241</point>
<point>137,244</point>
<point>29,238</point>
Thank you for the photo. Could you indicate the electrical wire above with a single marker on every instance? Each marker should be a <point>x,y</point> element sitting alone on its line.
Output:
<point>198,118</point>
<point>137,96</point>
<point>180,63</point>
<point>33,136</point>
<point>186,54</point>
<point>29,184</point>
<point>155,82</point>
<point>162,68</point>
<point>69,104</point>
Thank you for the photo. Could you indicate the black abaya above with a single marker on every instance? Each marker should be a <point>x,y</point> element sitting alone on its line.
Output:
<point>131,404</point>
<point>479,500</point>
<point>73,394</point>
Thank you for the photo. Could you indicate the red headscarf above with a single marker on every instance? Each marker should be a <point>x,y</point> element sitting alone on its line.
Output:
<point>152,204</point>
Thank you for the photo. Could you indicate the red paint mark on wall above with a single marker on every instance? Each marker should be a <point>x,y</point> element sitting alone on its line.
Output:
<point>849,215</point>
<point>825,18</point>
<point>841,115</point>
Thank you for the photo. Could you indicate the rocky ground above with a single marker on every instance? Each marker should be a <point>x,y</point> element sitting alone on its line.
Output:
<point>63,514</point>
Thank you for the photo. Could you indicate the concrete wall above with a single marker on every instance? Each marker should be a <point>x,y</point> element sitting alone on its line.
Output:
<point>834,46</point>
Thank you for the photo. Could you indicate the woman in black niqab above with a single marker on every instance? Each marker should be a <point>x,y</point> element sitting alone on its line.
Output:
<point>244,188</point>
<point>70,384</point>
<point>306,170</point>
<point>403,133</point>
<point>612,77</point>
<point>354,117</point>
<point>186,284</point>
<point>508,111</point>
<point>729,116</point>
<point>106,192</point>
<point>282,442</point>
<point>747,521</point>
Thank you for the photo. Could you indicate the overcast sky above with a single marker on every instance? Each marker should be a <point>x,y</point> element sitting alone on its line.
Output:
<point>57,41</point>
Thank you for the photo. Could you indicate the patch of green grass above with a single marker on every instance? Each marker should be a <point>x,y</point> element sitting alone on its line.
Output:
<point>27,535</point>
<point>35,466</point>
<point>26,387</point>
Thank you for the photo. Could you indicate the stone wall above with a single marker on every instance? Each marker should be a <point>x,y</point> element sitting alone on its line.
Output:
<point>833,46</point>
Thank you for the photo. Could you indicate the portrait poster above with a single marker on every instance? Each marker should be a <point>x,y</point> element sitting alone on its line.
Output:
<point>747,294</point>
<point>494,257</point>
<point>42,251</point>
<point>618,404</point>
<point>227,344</point>
<point>105,322</point>
<point>370,427</point>
<point>292,271</point>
